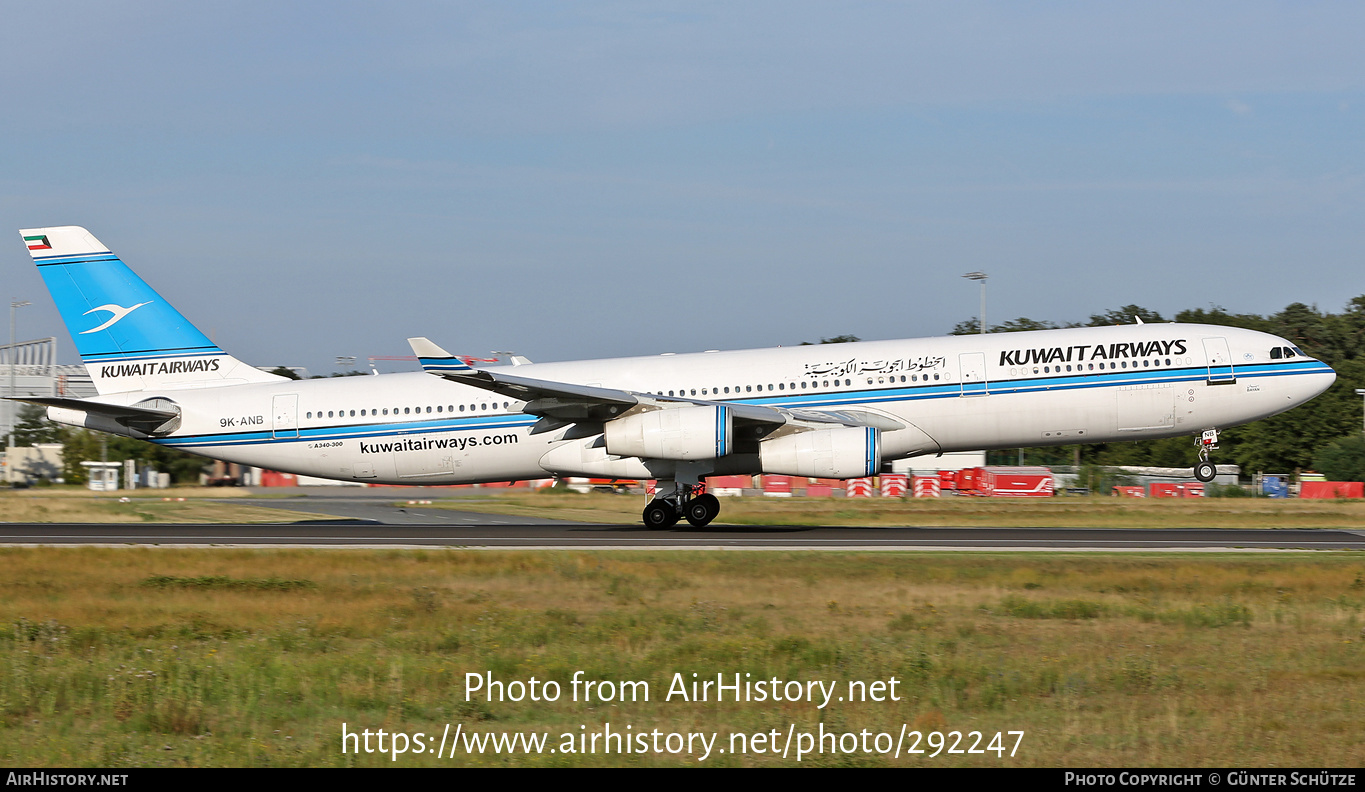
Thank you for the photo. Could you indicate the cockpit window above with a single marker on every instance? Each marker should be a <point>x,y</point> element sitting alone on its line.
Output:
<point>1296,351</point>
<point>1277,353</point>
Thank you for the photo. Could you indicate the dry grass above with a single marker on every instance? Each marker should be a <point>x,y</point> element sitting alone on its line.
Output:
<point>62,492</point>
<point>46,506</point>
<point>137,657</point>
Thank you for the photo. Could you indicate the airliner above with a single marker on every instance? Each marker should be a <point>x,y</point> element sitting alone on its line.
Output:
<point>829,411</point>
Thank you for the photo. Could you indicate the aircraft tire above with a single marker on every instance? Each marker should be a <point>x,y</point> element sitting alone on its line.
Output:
<point>1205,471</point>
<point>659,514</point>
<point>702,509</point>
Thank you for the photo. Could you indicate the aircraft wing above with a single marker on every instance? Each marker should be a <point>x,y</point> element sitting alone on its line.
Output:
<point>562,403</point>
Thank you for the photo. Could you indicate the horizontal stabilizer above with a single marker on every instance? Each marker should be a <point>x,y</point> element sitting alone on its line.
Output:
<point>147,419</point>
<point>99,408</point>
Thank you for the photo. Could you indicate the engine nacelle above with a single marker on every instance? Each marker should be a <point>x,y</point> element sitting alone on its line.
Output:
<point>842,453</point>
<point>692,432</point>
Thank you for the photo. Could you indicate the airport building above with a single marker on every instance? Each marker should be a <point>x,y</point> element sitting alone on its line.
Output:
<point>29,368</point>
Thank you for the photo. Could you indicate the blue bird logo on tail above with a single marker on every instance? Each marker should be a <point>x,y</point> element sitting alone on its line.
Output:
<point>118,312</point>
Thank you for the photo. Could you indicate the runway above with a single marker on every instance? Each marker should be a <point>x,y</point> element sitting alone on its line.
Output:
<point>362,518</point>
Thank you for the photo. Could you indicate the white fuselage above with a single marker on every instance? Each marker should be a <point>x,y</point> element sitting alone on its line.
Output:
<point>1083,385</point>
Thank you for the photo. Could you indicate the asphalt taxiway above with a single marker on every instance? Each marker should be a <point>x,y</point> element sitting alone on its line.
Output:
<point>463,530</point>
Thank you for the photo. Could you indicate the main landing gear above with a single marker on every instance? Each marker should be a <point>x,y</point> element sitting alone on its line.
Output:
<point>1204,470</point>
<point>687,501</point>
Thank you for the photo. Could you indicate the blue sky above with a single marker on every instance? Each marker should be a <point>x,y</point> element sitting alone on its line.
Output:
<point>306,180</point>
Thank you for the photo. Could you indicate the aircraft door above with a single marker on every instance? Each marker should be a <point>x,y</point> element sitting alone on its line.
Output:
<point>973,365</point>
<point>286,415</point>
<point>1220,361</point>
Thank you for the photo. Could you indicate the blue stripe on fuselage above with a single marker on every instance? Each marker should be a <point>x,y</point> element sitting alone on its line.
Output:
<point>355,431</point>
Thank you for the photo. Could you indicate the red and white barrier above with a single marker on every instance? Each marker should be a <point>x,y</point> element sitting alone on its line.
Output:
<point>927,486</point>
<point>858,488</point>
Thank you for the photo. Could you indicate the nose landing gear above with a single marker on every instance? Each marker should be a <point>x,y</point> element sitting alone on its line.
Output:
<point>1205,470</point>
<point>689,501</point>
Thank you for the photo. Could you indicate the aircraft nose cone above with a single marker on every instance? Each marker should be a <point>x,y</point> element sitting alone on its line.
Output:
<point>1319,381</point>
<point>1328,377</point>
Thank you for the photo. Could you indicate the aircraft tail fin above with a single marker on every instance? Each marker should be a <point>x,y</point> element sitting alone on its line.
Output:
<point>128,336</point>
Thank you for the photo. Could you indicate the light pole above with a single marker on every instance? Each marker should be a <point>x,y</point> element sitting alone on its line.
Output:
<point>14,306</point>
<point>980,276</point>
<point>1360,392</point>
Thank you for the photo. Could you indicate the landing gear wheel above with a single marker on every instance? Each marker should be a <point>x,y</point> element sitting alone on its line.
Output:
<point>660,514</point>
<point>1205,471</point>
<point>702,509</point>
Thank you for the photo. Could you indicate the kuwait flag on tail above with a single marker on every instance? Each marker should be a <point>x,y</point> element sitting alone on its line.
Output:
<point>37,242</point>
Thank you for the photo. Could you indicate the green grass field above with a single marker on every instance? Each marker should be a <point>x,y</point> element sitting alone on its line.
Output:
<point>144,657</point>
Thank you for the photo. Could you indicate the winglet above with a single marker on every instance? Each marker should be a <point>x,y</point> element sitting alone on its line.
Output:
<point>60,241</point>
<point>435,360</point>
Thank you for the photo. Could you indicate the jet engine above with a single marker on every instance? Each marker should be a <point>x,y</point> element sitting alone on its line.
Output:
<point>840,453</point>
<point>690,432</point>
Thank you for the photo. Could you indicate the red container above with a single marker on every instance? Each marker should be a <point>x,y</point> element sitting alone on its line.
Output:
<point>1022,483</point>
<point>1170,489</point>
<point>270,478</point>
<point>1332,489</point>
<point>1006,482</point>
<point>777,486</point>
<point>728,482</point>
